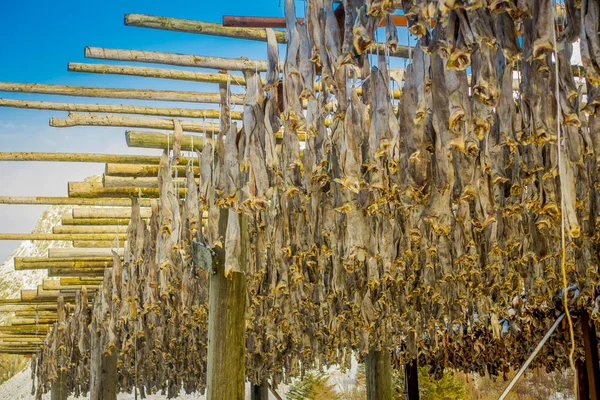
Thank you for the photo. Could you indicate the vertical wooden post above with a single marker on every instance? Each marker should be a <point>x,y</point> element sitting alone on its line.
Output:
<point>260,391</point>
<point>103,369</point>
<point>226,324</point>
<point>59,388</point>
<point>378,366</point>
<point>582,381</point>
<point>590,345</point>
<point>411,377</point>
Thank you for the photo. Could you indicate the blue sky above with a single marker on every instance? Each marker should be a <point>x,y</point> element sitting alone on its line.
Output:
<point>38,39</point>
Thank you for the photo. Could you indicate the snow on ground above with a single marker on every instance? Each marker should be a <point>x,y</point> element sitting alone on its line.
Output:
<point>19,388</point>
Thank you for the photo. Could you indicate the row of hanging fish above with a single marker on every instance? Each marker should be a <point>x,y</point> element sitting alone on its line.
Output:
<point>430,227</point>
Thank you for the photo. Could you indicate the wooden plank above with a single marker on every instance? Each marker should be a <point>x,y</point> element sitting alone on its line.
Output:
<point>124,159</point>
<point>91,229</point>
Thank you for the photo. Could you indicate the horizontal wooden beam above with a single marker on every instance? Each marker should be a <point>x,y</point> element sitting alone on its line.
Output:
<point>68,201</point>
<point>122,159</point>
<point>161,73</point>
<point>144,171</point>
<point>63,237</point>
<point>76,272</point>
<point>114,108</point>
<point>183,60</point>
<point>95,221</point>
<point>25,264</point>
<point>72,252</point>
<point>154,140</point>
<point>109,93</point>
<point>92,244</point>
<point>109,212</point>
<point>279,22</point>
<point>55,284</point>
<point>199,27</point>
<point>91,190</point>
<point>213,29</point>
<point>90,229</point>
<point>115,120</point>
<point>79,281</point>
<point>133,182</point>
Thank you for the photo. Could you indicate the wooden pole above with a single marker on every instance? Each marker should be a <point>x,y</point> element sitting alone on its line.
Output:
<point>122,159</point>
<point>115,120</point>
<point>153,140</point>
<point>113,212</point>
<point>590,345</point>
<point>184,60</point>
<point>209,28</point>
<point>29,263</point>
<point>72,252</point>
<point>226,328</point>
<point>379,375</point>
<point>143,171</point>
<point>162,73</point>
<point>103,368</point>
<point>59,387</point>
<point>129,182</point>
<point>411,377</point>
<point>95,221</point>
<point>112,108</point>
<point>78,272</point>
<point>110,229</point>
<point>111,93</point>
<point>62,237</point>
<point>199,27</point>
<point>93,190</point>
<point>260,391</point>
<point>91,244</point>
<point>67,201</point>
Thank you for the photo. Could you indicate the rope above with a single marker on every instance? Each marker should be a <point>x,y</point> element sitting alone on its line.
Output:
<point>563,262</point>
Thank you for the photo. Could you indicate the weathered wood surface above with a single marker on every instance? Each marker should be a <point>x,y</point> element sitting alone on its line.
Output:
<point>153,140</point>
<point>110,93</point>
<point>161,73</point>
<point>90,229</point>
<point>95,221</point>
<point>96,190</point>
<point>109,212</point>
<point>226,328</point>
<point>122,159</point>
<point>144,171</point>
<point>68,201</point>
<point>115,120</point>
<point>62,237</point>
<point>184,60</point>
<point>85,272</point>
<point>92,244</point>
<point>199,27</point>
<point>111,108</point>
<point>143,182</point>
<point>378,368</point>
<point>72,252</point>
